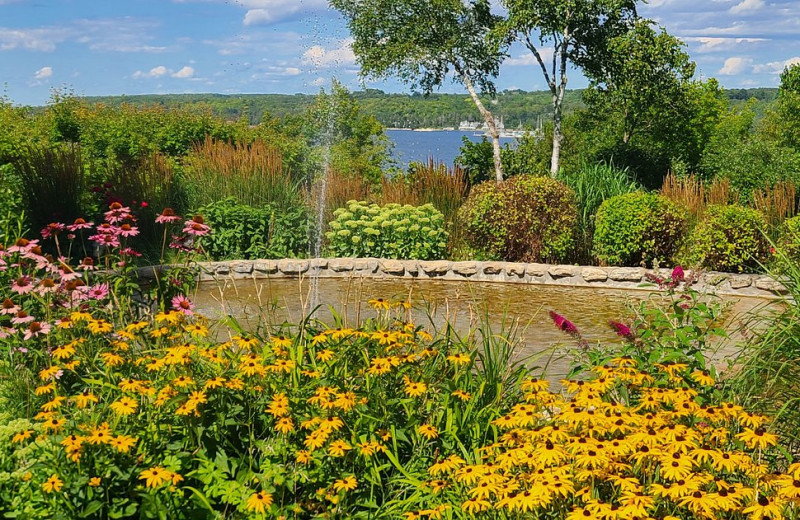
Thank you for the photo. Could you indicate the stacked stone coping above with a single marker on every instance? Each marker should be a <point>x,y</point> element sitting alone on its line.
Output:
<point>500,272</point>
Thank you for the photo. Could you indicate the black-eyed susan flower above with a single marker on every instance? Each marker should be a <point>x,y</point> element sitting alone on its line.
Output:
<point>428,431</point>
<point>346,484</point>
<point>95,481</point>
<point>338,448</point>
<point>52,484</point>
<point>757,438</point>
<point>259,502</point>
<point>155,476</point>
<point>124,406</point>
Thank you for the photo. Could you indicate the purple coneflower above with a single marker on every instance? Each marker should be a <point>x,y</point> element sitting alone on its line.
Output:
<point>97,291</point>
<point>37,328</point>
<point>127,230</point>
<point>52,229</point>
<point>8,307</point>
<point>106,239</point>
<point>168,216</point>
<point>182,304</point>
<point>22,285</point>
<point>80,224</point>
<point>196,226</point>
<point>21,317</point>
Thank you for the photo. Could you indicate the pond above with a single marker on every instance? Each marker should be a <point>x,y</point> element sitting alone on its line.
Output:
<point>518,307</point>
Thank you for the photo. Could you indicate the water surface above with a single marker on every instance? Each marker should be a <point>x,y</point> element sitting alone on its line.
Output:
<point>466,304</point>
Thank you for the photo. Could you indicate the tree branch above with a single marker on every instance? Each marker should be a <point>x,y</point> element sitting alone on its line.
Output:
<point>535,51</point>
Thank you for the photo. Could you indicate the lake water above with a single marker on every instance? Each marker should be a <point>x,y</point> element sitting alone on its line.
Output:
<point>442,145</point>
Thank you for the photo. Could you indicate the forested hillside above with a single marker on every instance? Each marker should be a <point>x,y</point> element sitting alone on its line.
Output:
<point>517,108</point>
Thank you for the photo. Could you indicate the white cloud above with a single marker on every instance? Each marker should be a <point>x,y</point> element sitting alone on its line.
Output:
<point>155,72</point>
<point>715,44</point>
<point>43,73</point>
<point>267,12</point>
<point>747,6</point>
<point>776,67</point>
<point>125,34</point>
<point>320,57</point>
<point>735,65</point>
<point>185,72</point>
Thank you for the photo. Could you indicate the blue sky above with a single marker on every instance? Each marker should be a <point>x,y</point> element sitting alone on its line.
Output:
<point>97,47</point>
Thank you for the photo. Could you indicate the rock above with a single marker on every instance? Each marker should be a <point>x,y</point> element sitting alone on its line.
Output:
<point>515,270</point>
<point>265,266</point>
<point>394,267</point>
<point>562,271</point>
<point>626,274</point>
<point>493,267</point>
<point>243,267</point>
<point>594,274</point>
<point>411,266</point>
<point>436,267</point>
<point>740,281</point>
<point>365,265</point>
<point>341,265</point>
<point>290,266</point>
<point>222,268</point>
<point>318,264</point>
<point>537,270</point>
<point>465,268</point>
<point>768,284</point>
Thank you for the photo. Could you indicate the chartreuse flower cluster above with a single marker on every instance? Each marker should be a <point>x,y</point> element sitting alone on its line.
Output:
<point>624,444</point>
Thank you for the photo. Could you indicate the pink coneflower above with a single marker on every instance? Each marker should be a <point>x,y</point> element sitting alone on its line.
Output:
<point>80,224</point>
<point>23,245</point>
<point>181,243</point>
<point>37,328</point>
<point>21,317</point>
<point>52,229</point>
<point>182,304</point>
<point>129,251</point>
<point>678,275</point>
<point>8,307</point>
<point>168,216</point>
<point>98,291</point>
<point>46,285</point>
<point>196,226</point>
<point>22,285</point>
<point>117,212</point>
<point>127,230</point>
<point>621,329</point>
<point>5,332</point>
<point>87,264</point>
<point>107,240</point>
<point>107,229</point>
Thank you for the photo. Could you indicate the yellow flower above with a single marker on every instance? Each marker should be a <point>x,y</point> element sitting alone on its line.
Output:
<point>428,431</point>
<point>99,327</point>
<point>63,352</point>
<point>100,434</point>
<point>282,342</point>
<point>259,502</point>
<point>155,476</point>
<point>124,406</point>
<point>302,456</point>
<point>415,389</point>
<point>284,425</point>
<point>346,484</point>
<point>45,389</point>
<point>94,481</point>
<point>464,396</point>
<point>53,484</point>
<point>703,377</point>
<point>22,436</point>
<point>123,443</point>
<point>459,359</point>
<point>338,448</point>
<point>53,404</point>
<point>279,405</point>
<point>84,399</point>
<point>379,304</point>
<point>112,359</point>
<point>324,355</point>
<point>215,382</point>
<point>758,438</point>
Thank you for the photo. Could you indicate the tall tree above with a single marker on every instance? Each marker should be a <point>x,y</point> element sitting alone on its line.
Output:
<point>575,31</point>
<point>423,42</point>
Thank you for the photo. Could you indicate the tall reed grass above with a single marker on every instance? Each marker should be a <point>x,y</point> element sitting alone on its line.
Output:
<point>51,180</point>
<point>253,174</point>
<point>428,183</point>
<point>777,202</point>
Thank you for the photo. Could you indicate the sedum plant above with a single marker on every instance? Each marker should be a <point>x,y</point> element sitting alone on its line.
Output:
<point>390,231</point>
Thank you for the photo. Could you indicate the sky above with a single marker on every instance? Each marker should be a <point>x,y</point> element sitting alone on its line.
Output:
<point>109,47</point>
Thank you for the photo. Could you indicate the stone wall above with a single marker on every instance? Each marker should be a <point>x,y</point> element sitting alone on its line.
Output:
<point>502,272</point>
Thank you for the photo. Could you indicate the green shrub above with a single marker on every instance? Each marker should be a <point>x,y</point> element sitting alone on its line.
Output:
<point>730,238</point>
<point>390,231</point>
<point>638,228</point>
<point>526,218</point>
<point>593,184</point>
<point>790,237</point>
<point>242,231</point>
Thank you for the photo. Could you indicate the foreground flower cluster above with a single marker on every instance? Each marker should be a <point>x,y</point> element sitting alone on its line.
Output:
<point>624,444</point>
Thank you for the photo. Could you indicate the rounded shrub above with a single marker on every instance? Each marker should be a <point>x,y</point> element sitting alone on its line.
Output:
<point>730,238</point>
<point>637,228</point>
<point>525,219</point>
<point>390,231</point>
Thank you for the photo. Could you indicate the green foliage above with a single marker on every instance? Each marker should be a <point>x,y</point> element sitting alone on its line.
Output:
<point>242,231</point>
<point>638,228</point>
<point>789,233</point>
<point>52,183</point>
<point>767,371</point>
<point>390,231</point>
<point>526,218</point>
<point>475,158</point>
<point>731,239</point>
<point>749,154</point>
<point>593,184</point>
